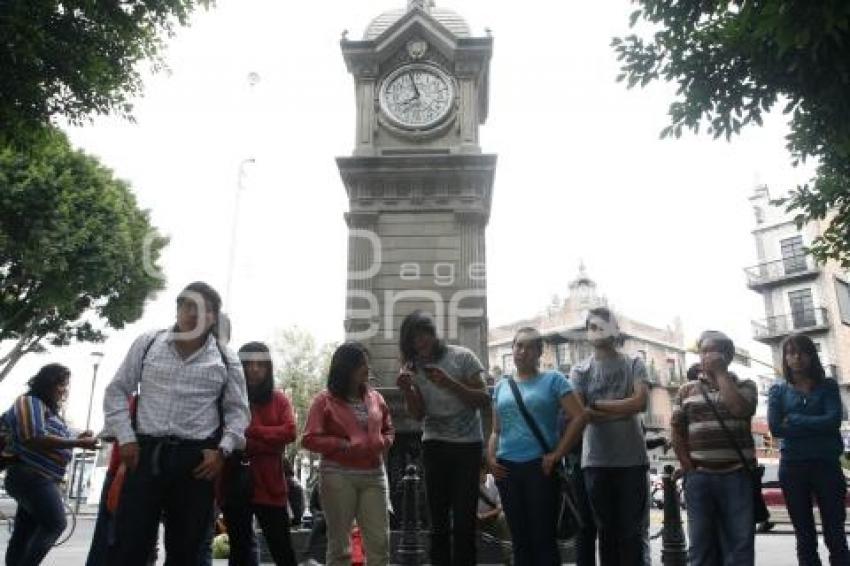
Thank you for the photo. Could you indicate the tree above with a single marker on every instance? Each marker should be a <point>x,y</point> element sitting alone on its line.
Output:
<point>78,58</point>
<point>302,372</point>
<point>73,243</point>
<point>735,60</point>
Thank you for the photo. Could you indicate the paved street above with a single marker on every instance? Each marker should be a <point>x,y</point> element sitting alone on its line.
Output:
<point>774,549</point>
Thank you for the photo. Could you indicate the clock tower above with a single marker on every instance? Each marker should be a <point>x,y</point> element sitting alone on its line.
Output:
<point>418,185</point>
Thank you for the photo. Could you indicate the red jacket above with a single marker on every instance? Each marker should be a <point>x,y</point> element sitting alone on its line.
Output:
<point>272,428</point>
<point>332,430</point>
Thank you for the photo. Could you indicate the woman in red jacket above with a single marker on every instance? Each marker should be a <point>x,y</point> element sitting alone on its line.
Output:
<point>272,428</point>
<point>349,425</point>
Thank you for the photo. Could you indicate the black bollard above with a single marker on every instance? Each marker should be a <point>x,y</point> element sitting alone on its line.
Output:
<point>674,548</point>
<point>410,550</point>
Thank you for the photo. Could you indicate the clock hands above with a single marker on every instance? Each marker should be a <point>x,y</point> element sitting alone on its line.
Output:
<point>413,82</point>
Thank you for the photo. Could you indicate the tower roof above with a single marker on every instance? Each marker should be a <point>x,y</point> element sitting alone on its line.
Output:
<point>448,18</point>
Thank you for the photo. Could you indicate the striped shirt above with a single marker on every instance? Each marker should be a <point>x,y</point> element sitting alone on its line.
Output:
<point>30,418</point>
<point>178,397</point>
<point>708,444</point>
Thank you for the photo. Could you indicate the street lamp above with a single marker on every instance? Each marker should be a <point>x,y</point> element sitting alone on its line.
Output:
<point>240,186</point>
<point>96,359</point>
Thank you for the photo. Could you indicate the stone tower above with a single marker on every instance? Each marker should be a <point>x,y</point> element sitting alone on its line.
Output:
<point>418,186</point>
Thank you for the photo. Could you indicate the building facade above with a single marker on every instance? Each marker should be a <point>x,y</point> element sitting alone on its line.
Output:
<point>562,326</point>
<point>800,295</point>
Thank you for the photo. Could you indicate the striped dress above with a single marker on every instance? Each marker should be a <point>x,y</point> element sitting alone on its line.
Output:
<point>30,418</point>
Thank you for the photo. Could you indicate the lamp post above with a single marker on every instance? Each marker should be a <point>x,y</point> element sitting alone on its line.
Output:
<point>240,180</point>
<point>96,359</point>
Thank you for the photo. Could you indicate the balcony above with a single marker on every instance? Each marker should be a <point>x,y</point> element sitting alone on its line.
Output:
<point>778,327</point>
<point>787,270</point>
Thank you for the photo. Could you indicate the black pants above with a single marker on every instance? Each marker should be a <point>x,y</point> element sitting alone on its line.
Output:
<point>451,480</point>
<point>162,486</point>
<point>274,521</point>
<point>586,537</point>
<point>530,500</point>
<point>619,498</point>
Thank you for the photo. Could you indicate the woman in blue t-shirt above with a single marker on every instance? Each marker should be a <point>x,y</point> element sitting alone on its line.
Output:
<point>40,446</point>
<point>805,411</point>
<point>523,468</point>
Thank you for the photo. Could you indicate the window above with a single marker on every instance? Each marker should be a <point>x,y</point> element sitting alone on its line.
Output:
<point>642,354</point>
<point>842,291</point>
<point>793,255</point>
<point>802,308</point>
<point>671,369</point>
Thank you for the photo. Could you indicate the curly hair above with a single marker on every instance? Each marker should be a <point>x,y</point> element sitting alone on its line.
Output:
<point>44,383</point>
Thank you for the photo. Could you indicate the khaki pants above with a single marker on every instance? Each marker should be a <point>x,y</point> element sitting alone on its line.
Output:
<point>346,497</point>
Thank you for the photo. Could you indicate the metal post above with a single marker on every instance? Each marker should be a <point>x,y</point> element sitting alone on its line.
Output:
<point>96,356</point>
<point>410,550</point>
<point>674,548</point>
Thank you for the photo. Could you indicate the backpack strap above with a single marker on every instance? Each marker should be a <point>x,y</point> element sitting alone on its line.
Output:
<point>219,402</point>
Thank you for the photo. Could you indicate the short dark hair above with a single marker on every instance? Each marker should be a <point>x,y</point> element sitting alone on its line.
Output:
<point>417,321</point>
<point>221,327</point>
<point>345,360</point>
<point>727,347</point>
<point>205,290</point>
<point>694,371</point>
<point>533,336</point>
<point>599,312</point>
<point>44,383</point>
<point>804,345</point>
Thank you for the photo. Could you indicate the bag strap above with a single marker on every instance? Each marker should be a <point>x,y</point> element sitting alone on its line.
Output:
<point>219,402</point>
<point>726,430</point>
<point>529,420</point>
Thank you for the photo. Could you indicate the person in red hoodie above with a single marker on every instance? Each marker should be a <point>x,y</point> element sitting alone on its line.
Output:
<point>349,425</point>
<point>272,428</point>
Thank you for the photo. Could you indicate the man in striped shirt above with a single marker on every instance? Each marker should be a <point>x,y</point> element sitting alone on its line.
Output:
<point>192,412</point>
<point>718,487</point>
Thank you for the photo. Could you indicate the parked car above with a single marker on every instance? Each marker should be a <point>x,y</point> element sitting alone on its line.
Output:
<point>773,497</point>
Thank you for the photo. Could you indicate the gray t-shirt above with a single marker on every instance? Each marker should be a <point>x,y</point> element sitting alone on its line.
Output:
<point>446,416</point>
<point>616,443</point>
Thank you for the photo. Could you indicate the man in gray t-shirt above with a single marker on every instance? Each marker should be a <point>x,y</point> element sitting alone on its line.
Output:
<point>613,387</point>
<point>615,441</point>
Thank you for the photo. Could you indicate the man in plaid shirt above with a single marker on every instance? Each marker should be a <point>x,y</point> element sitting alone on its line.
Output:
<point>192,412</point>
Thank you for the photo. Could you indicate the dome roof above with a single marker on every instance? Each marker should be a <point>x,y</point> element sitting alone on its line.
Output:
<point>449,19</point>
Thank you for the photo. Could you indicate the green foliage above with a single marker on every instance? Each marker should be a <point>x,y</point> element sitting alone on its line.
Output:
<point>735,60</point>
<point>302,372</point>
<point>73,243</point>
<point>78,58</point>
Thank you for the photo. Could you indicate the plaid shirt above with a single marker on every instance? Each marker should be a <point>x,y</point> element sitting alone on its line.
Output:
<point>178,397</point>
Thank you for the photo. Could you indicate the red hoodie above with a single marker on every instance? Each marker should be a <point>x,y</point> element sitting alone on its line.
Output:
<point>272,428</point>
<point>332,430</point>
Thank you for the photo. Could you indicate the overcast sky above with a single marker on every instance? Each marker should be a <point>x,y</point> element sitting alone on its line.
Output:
<point>663,225</point>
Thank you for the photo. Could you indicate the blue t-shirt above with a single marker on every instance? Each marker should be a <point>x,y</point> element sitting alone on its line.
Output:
<point>542,397</point>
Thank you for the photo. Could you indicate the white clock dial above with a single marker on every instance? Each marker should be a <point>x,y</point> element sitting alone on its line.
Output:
<point>417,96</point>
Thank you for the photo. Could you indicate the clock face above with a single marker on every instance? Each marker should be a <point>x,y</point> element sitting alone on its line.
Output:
<point>417,96</point>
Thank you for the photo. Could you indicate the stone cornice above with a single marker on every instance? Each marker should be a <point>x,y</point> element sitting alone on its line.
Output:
<point>457,183</point>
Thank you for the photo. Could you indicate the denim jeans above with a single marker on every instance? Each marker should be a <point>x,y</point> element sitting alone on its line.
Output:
<point>721,528</point>
<point>586,537</point>
<point>619,499</point>
<point>451,481</point>
<point>40,518</point>
<point>823,480</point>
<point>530,501</point>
